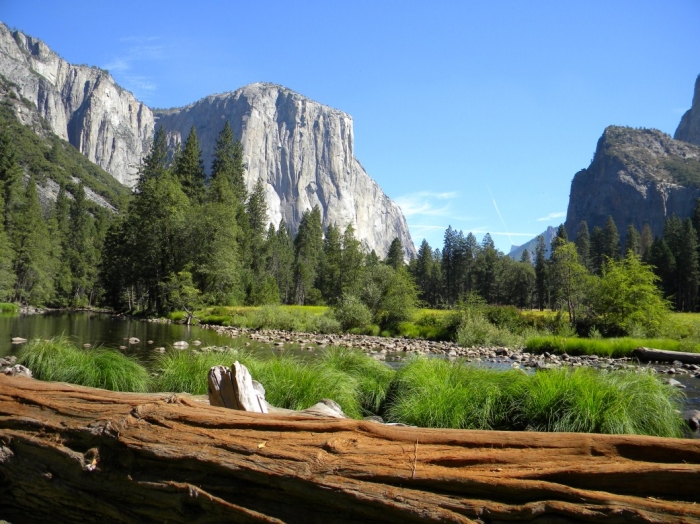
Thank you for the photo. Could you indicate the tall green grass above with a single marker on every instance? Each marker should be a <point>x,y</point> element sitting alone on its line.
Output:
<point>437,393</point>
<point>187,371</point>
<point>604,347</point>
<point>590,401</point>
<point>59,360</point>
<point>441,394</point>
<point>7,307</point>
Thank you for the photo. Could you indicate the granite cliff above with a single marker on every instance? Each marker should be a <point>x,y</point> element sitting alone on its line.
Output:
<point>637,176</point>
<point>82,105</point>
<point>303,151</point>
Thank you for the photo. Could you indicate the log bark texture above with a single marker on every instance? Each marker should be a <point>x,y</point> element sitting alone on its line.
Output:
<point>662,355</point>
<point>76,454</point>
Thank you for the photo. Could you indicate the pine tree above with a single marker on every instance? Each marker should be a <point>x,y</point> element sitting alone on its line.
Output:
<point>63,282</point>
<point>541,273</point>
<point>394,257</point>
<point>11,187</point>
<point>7,257</point>
<point>583,245</point>
<point>34,266</point>
<point>280,262</point>
<point>645,242</point>
<point>633,241</point>
<point>155,165</point>
<point>329,274</point>
<point>228,163</point>
<point>80,249</point>
<point>560,239</point>
<point>351,261</point>
<point>308,245</point>
<point>188,168</point>
<point>597,256</point>
<point>611,240</point>
<point>449,271</point>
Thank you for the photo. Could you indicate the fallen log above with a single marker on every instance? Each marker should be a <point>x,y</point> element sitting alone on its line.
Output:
<point>71,453</point>
<point>662,355</point>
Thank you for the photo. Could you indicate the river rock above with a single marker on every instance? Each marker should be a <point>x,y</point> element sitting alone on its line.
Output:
<point>692,417</point>
<point>18,370</point>
<point>181,344</point>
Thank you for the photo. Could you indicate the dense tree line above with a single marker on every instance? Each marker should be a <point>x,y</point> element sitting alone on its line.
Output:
<point>185,240</point>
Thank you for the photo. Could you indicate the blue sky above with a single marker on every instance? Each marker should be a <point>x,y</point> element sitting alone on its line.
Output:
<point>470,114</point>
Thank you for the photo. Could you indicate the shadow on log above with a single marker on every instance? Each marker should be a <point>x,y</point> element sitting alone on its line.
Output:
<point>662,355</point>
<point>76,454</point>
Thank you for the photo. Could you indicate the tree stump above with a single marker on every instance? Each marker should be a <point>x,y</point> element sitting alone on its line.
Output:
<point>77,454</point>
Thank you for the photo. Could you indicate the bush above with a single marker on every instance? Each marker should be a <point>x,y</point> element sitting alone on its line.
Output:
<point>6,307</point>
<point>352,313</point>
<point>476,330</point>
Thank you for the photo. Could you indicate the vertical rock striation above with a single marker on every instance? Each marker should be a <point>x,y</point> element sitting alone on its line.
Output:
<point>81,104</point>
<point>303,151</point>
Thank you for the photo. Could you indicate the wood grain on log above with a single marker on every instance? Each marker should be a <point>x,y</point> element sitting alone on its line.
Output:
<point>662,355</point>
<point>70,453</point>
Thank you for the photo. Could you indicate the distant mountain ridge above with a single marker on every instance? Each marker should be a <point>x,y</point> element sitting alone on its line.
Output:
<point>303,150</point>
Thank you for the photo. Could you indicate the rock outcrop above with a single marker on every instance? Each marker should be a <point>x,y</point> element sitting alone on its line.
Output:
<point>303,151</point>
<point>689,128</point>
<point>81,104</point>
<point>637,176</point>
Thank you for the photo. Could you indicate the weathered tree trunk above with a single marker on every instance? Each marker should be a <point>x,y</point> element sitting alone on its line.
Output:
<point>76,454</point>
<point>661,355</point>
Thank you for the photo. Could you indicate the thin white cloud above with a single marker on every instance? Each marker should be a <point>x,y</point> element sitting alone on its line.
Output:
<point>423,203</point>
<point>552,216</point>
<point>122,65</point>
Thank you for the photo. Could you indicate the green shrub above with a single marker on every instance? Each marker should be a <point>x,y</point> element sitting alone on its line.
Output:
<point>352,313</point>
<point>476,330</point>
<point>59,360</point>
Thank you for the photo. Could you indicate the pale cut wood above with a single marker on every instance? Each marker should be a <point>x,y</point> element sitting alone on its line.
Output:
<point>662,355</point>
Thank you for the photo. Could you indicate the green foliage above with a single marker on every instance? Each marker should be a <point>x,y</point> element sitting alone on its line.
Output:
<point>683,171</point>
<point>6,307</point>
<point>352,313</point>
<point>589,401</point>
<point>603,347</point>
<point>626,297</point>
<point>186,371</point>
<point>59,360</point>
<point>441,394</point>
<point>437,393</point>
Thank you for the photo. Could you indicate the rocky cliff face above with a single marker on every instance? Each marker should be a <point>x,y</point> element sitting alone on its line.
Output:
<point>303,151</point>
<point>81,104</point>
<point>689,128</point>
<point>637,176</point>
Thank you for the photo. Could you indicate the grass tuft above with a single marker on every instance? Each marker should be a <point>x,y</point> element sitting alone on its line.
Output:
<point>59,360</point>
<point>604,347</point>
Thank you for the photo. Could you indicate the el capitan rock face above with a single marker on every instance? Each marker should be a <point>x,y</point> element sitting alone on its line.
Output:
<point>637,176</point>
<point>303,151</point>
<point>81,104</point>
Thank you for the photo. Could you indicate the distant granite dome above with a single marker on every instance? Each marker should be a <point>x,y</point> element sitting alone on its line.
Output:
<point>304,153</point>
<point>637,176</point>
<point>303,150</point>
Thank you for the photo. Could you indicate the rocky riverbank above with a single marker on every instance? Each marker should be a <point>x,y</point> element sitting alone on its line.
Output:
<point>392,349</point>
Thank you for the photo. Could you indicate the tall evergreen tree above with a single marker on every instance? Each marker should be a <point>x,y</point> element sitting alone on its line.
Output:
<point>646,240</point>
<point>80,250</point>
<point>583,245</point>
<point>228,163</point>
<point>308,245</point>
<point>11,187</point>
<point>611,240</point>
<point>394,257</point>
<point>541,273</point>
<point>351,261</point>
<point>155,165</point>
<point>188,168</point>
<point>597,256</point>
<point>633,241</point>
<point>34,266</point>
<point>329,274</point>
<point>7,257</point>
<point>280,262</point>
